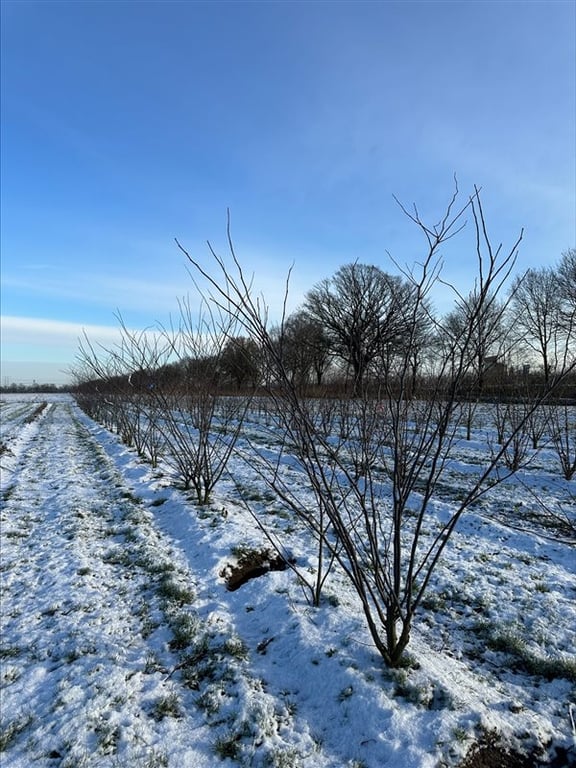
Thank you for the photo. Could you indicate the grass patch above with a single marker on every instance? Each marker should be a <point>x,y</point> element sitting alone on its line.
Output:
<point>211,699</point>
<point>156,759</point>
<point>167,706</point>
<point>15,534</point>
<point>117,556</point>
<point>506,641</point>
<point>10,652</point>
<point>154,567</point>
<point>550,667</point>
<point>345,693</point>
<point>108,736</point>
<point>171,590</point>
<point>9,732</point>
<point>228,746</point>
<point>285,758</point>
<point>236,648</point>
<point>10,674</point>
<point>184,629</point>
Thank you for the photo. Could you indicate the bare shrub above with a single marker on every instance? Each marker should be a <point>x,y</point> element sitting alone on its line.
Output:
<point>159,389</point>
<point>562,425</point>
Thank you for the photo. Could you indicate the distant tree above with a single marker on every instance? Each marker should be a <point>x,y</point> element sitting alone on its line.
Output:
<point>537,314</point>
<point>35,388</point>
<point>305,348</point>
<point>362,310</point>
<point>477,329</point>
<point>567,281</point>
<point>567,275</point>
<point>239,362</point>
<point>415,344</point>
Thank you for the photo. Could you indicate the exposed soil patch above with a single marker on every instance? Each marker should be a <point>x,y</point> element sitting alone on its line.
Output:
<point>492,756</point>
<point>487,753</point>
<point>250,565</point>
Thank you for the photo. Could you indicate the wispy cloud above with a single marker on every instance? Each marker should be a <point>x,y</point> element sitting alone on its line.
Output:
<point>52,333</point>
<point>112,292</point>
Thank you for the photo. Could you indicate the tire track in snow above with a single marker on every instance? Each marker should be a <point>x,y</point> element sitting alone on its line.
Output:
<point>15,438</point>
<point>72,646</point>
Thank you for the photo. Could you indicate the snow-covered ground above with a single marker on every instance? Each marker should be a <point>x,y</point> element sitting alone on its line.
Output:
<point>121,646</point>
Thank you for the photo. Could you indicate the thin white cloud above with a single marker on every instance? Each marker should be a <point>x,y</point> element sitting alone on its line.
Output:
<point>111,292</point>
<point>52,345</point>
<point>42,332</point>
<point>27,338</point>
<point>45,350</point>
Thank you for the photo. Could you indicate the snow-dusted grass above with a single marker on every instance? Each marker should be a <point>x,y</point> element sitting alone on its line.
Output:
<point>121,645</point>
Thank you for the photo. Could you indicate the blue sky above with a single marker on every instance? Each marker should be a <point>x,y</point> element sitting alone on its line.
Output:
<point>126,124</point>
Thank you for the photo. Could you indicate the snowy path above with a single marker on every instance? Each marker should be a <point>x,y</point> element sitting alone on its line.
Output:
<point>76,653</point>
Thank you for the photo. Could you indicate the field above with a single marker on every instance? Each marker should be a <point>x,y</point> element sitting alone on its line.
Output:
<point>121,645</point>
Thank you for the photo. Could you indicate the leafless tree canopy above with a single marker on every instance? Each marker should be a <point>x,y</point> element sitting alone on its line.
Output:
<point>538,306</point>
<point>488,341</point>
<point>364,312</point>
<point>305,348</point>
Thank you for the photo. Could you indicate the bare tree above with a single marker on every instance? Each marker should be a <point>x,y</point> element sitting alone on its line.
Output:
<point>114,386</point>
<point>362,310</point>
<point>562,424</point>
<point>537,311</point>
<point>487,347</point>
<point>567,281</point>
<point>199,427</point>
<point>305,348</point>
<point>514,421</point>
<point>567,276</point>
<point>240,361</point>
<point>164,384</point>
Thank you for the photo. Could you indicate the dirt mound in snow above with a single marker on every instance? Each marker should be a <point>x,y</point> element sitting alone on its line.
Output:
<point>489,754</point>
<point>250,565</point>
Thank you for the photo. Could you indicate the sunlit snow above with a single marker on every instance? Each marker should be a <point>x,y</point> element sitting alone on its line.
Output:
<point>121,646</point>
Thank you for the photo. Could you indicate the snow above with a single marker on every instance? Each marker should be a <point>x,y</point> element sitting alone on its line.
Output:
<point>121,646</point>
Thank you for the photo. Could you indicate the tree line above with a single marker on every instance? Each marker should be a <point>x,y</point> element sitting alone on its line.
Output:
<point>357,325</point>
<point>362,326</point>
<point>35,388</point>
